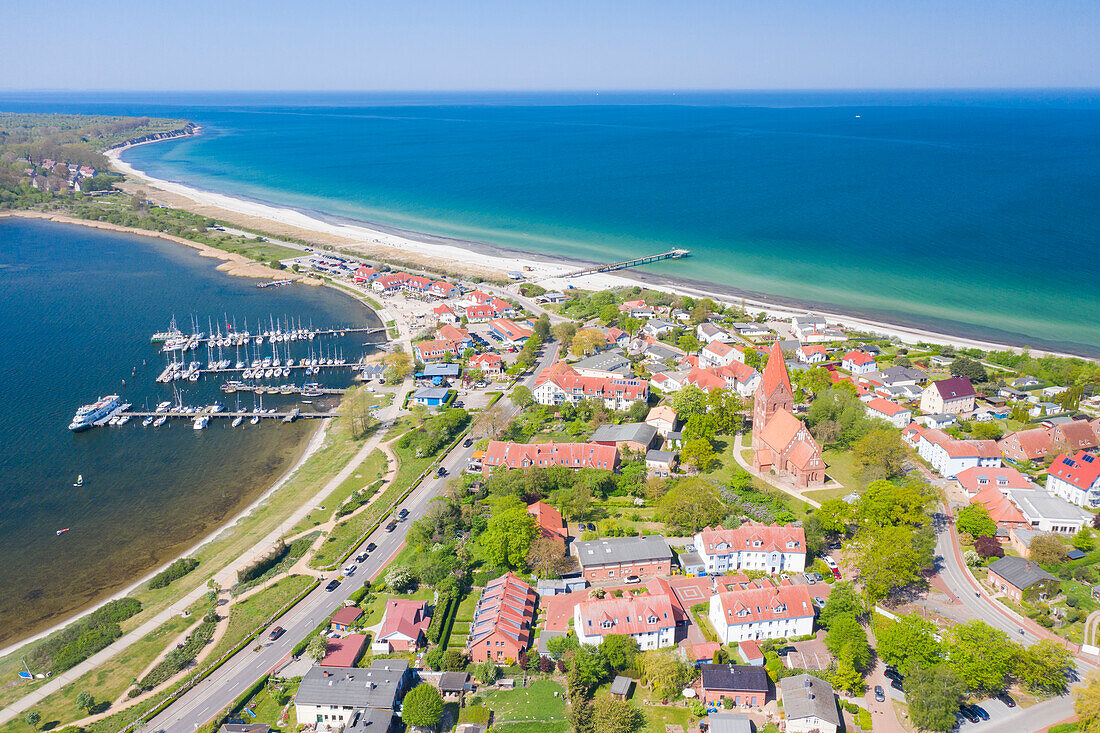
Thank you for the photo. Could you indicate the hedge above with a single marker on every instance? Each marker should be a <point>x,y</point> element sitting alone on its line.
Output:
<point>175,571</point>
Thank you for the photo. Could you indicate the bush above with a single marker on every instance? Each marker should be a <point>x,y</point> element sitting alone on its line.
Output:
<point>175,571</point>
<point>258,568</point>
<point>85,637</point>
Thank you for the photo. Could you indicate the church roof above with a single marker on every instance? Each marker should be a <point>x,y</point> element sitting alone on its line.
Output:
<point>775,373</point>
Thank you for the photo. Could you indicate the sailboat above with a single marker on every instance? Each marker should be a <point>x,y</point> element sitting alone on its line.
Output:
<point>79,480</point>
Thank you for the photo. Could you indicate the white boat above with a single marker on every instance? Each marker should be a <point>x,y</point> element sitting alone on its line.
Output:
<point>237,421</point>
<point>160,421</point>
<point>201,422</point>
<point>147,421</point>
<point>216,407</point>
<point>255,420</point>
<point>123,420</point>
<point>163,406</point>
<point>114,420</point>
<point>86,416</point>
<point>79,480</point>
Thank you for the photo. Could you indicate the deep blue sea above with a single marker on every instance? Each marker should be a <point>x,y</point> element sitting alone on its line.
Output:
<point>79,307</point>
<point>970,212</point>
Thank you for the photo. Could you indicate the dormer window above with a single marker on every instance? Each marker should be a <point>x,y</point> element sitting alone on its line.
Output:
<point>652,619</point>
<point>757,543</point>
<point>606,624</point>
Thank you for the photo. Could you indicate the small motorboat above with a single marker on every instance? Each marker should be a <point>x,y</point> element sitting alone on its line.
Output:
<point>237,421</point>
<point>62,531</point>
<point>255,420</point>
<point>79,480</point>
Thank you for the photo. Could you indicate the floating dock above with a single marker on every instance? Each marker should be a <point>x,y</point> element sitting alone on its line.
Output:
<point>672,254</point>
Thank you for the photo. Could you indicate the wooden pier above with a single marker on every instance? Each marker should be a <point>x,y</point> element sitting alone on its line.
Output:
<point>672,254</point>
<point>291,416</point>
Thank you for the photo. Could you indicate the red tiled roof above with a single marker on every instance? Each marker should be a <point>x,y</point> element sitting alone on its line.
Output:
<point>1081,470</point>
<point>447,332</point>
<point>506,606</point>
<point>570,455</point>
<point>886,407</point>
<point>781,429</point>
<point>978,478</point>
<point>1000,507</point>
<point>765,604</point>
<point>1079,435</point>
<point>346,615</point>
<point>1031,444</point>
<point>567,379</point>
<point>627,615</point>
<point>775,373</point>
<point>858,358</point>
<point>491,361</point>
<point>442,309</point>
<point>405,617</point>
<point>705,379</point>
<point>549,518</point>
<point>771,537</point>
<point>344,652</point>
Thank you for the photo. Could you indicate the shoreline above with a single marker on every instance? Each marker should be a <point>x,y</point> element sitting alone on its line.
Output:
<point>437,252</point>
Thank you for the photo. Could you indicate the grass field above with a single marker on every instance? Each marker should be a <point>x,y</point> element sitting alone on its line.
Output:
<point>245,616</point>
<point>533,709</point>
<point>370,470</point>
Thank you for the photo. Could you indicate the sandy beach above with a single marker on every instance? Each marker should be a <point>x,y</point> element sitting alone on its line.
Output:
<point>452,256</point>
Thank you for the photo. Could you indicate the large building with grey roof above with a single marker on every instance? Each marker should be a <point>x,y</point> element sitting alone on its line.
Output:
<point>620,557</point>
<point>809,705</point>
<point>332,696</point>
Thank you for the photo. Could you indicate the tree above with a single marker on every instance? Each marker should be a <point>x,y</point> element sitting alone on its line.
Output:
<point>1086,703</point>
<point>616,716</point>
<point>988,547</point>
<point>564,333</point>
<point>619,651</point>
<point>909,643</point>
<point>727,409</point>
<point>400,579</point>
<point>889,558</point>
<point>85,701</point>
<point>1084,540</point>
<point>547,557</point>
<point>835,515</point>
<point>698,453</point>
<point>846,676</point>
<point>587,341</point>
<point>509,533</point>
<point>689,401</point>
<point>1046,549</point>
<point>454,661</point>
<point>581,715</point>
<point>423,706</point>
<point>317,648</point>
<point>965,367</point>
<point>1042,667</point>
<point>690,505</point>
<point>32,718</point>
<point>847,639</point>
<point>981,655</point>
<point>356,405</point>
<point>986,431</point>
<point>667,674</point>
<point>521,395</point>
<point>486,672</point>
<point>895,503</point>
<point>590,668</point>
<point>398,366</point>
<point>880,453</point>
<point>688,342</point>
<point>975,521</point>
<point>542,327</point>
<point>933,692</point>
<point>843,601</point>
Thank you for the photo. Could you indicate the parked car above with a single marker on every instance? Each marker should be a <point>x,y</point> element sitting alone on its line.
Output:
<point>458,404</point>
<point>371,547</point>
<point>897,685</point>
<point>332,585</point>
<point>275,633</point>
<point>880,694</point>
<point>817,577</point>
<point>966,712</point>
<point>785,650</point>
<point>467,443</point>
<point>361,557</point>
<point>979,711</point>
<point>1006,699</point>
<point>632,579</point>
<point>892,674</point>
<point>818,601</point>
<point>350,569</point>
<point>829,562</point>
<point>809,578</point>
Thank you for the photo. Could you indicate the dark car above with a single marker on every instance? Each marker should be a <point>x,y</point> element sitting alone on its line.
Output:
<point>371,547</point>
<point>896,684</point>
<point>361,557</point>
<point>467,443</point>
<point>441,472</point>
<point>834,545</point>
<point>880,694</point>
<point>458,405</point>
<point>403,513</point>
<point>893,674</point>
<point>332,585</point>
<point>391,526</point>
<point>1007,700</point>
<point>784,650</point>
<point>276,633</point>
<point>979,711</point>
<point>966,712</point>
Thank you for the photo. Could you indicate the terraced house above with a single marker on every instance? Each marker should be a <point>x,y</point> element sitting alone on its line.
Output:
<point>503,620</point>
<point>772,548</point>
<point>649,620</point>
<point>762,613</point>
<point>560,383</point>
<point>543,455</point>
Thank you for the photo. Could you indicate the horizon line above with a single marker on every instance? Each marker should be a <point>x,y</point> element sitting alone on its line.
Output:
<point>562,90</point>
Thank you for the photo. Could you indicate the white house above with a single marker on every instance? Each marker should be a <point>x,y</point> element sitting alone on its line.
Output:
<point>804,326</point>
<point>717,353</point>
<point>649,620</point>
<point>897,415</point>
<point>809,705</point>
<point>772,548</point>
<point>949,456</point>
<point>1076,479</point>
<point>811,354</point>
<point>657,327</point>
<point>762,613</point>
<point>708,332</point>
<point>858,362</point>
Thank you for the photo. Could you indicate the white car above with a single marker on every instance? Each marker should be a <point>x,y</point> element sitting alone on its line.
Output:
<point>350,569</point>
<point>830,562</point>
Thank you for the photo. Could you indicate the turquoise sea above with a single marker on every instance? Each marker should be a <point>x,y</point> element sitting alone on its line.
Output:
<point>969,212</point>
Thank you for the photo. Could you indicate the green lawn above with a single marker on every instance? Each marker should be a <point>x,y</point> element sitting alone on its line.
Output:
<point>268,710</point>
<point>372,612</point>
<point>841,466</point>
<point>246,616</point>
<point>370,470</point>
<point>533,709</point>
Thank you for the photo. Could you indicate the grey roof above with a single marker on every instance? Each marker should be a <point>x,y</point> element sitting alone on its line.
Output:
<point>690,560</point>
<point>621,685</point>
<point>430,393</point>
<point>659,351</point>
<point>660,456</point>
<point>900,373</point>
<point>1025,535</point>
<point>614,550</point>
<point>453,681</point>
<point>546,636</point>
<point>805,696</point>
<point>658,323</point>
<point>737,677</point>
<point>371,720</point>
<point>1037,505</point>
<point>244,728</point>
<point>635,432</point>
<point>357,688</point>
<point>1020,572</point>
<point>609,361</point>
<point>441,370</point>
<point>729,723</point>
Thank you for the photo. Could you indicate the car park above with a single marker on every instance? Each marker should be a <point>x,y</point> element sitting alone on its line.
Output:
<point>880,694</point>
<point>332,585</point>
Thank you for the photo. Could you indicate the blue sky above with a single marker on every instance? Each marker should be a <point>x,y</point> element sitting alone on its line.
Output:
<point>549,45</point>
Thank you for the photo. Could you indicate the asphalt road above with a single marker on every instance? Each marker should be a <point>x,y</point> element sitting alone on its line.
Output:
<point>229,681</point>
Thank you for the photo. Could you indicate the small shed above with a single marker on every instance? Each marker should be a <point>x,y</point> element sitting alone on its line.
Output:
<point>621,687</point>
<point>452,686</point>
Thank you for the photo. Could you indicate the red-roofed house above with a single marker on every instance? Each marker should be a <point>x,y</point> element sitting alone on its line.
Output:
<point>343,619</point>
<point>549,519</point>
<point>390,283</point>
<point>772,548</point>
<point>544,455</point>
<point>857,362</point>
<point>445,314</point>
<point>949,456</point>
<point>479,313</point>
<point>648,619</point>
<point>435,350</point>
<point>417,284</point>
<point>663,418</point>
<point>717,353</point>
<point>762,613</point>
<point>441,289</point>
<point>977,479</point>
<point>780,441</point>
<point>503,618</point>
<point>740,377</point>
<point>897,415</point>
<point>344,652</point>
<point>811,354</point>
<point>1076,479</point>
<point>365,274</point>
<point>1027,445</point>
<point>491,365</point>
<point>1002,510</point>
<point>705,379</point>
<point>403,625</point>
<point>560,383</point>
<point>1074,435</point>
<point>510,332</point>
<point>457,336</point>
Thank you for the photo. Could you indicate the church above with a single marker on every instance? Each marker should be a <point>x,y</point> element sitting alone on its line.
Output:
<point>780,441</point>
